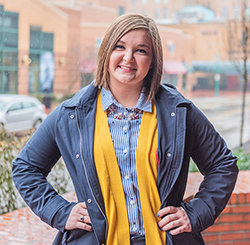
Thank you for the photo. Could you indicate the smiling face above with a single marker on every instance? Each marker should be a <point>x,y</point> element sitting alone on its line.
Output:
<point>131,59</point>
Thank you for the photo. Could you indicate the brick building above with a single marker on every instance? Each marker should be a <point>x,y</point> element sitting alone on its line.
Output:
<point>51,45</point>
<point>169,9</point>
<point>29,29</point>
<point>35,33</point>
<point>214,43</point>
<point>207,21</point>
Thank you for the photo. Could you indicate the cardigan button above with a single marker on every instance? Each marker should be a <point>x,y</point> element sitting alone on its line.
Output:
<point>169,154</point>
<point>89,200</point>
<point>172,114</point>
<point>72,116</point>
<point>77,156</point>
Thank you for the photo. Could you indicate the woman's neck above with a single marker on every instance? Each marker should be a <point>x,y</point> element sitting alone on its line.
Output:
<point>126,96</point>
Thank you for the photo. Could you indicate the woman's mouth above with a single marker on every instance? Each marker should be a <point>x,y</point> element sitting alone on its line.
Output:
<point>125,68</point>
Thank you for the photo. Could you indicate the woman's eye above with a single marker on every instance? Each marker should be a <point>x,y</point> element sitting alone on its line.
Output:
<point>141,51</point>
<point>119,47</point>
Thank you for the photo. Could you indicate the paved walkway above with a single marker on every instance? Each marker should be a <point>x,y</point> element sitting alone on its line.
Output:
<point>22,227</point>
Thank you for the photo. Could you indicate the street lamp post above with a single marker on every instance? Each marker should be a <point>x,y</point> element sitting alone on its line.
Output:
<point>217,76</point>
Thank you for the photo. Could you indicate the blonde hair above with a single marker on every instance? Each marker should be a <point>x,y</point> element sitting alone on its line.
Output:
<point>119,28</point>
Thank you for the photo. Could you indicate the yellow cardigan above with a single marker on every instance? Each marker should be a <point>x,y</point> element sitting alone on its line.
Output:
<point>111,184</point>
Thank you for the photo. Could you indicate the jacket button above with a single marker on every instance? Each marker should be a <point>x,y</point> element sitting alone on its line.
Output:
<point>89,200</point>
<point>72,116</point>
<point>77,156</point>
<point>169,154</point>
<point>172,114</point>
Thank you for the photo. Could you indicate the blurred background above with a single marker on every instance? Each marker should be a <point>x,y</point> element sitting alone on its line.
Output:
<point>48,49</point>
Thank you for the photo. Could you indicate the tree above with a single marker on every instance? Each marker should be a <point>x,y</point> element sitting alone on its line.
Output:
<point>238,41</point>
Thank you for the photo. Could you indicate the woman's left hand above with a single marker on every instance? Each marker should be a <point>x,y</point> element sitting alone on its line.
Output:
<point>174,219</point>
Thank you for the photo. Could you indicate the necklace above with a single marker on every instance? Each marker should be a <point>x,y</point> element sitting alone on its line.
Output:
<point>134,114</point>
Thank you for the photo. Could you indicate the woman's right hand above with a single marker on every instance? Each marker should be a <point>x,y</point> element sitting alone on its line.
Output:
<point>75,222</point>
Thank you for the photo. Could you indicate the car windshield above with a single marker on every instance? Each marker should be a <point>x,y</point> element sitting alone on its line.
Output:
<point>2,105</point>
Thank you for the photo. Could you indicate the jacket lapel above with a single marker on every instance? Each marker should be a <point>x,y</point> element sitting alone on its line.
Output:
<point>171,116</point>
<point>85,102</point>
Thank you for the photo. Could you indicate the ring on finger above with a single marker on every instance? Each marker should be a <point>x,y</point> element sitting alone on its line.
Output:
<point>82,219</point>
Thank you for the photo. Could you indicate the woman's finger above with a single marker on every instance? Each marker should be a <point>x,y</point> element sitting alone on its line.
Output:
<point>84,226</point>
<point>174,219</point>
<point>84,212</point>
<point>79,218</point>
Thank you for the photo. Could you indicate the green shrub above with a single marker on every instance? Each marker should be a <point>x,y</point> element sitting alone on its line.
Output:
<point>193,167</point>
<point>59,178</point>
<point>10,146</point>
<point>243,158</point>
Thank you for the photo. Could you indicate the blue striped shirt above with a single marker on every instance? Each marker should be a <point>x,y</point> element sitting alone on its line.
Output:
<point>124,134</point>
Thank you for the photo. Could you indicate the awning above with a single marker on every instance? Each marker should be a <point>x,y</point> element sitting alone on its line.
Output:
<point>174,67</point>
<point>223,66</point>
<point>87,66</point>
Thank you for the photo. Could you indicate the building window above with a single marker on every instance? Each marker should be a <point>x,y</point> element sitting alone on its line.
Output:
<point>247,12</point>
<point>8,51</point>
<point>121,10</point>
<point>133,2</point>
<point>143,2</point>
<point>165,1</point>
<point>236,11</point>
<point>165,13</point>
<point>144,11</point>
<point>157,1</point>
<point>41,68</point>
<point>224,12</point>
<point>156,13</point>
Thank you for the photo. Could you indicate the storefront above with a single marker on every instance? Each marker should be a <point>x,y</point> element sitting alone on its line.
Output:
<point>175,73</point>
<point>230,77</point>
<point>42,64</point>
<point>8,51</point>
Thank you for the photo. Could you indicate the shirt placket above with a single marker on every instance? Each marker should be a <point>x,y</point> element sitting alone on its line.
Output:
<point>128,168</point>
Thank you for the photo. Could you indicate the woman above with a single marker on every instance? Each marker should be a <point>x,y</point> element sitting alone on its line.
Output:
<point>127,142</point>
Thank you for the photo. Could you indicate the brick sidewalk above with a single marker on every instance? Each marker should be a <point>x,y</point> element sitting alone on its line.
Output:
<point>22,227</point>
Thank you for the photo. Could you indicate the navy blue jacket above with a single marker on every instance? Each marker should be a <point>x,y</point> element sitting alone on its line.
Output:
<point>68,131</point>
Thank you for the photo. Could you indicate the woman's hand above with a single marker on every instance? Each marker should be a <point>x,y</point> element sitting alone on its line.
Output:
<point>79,218</point>
<point>174,219</point>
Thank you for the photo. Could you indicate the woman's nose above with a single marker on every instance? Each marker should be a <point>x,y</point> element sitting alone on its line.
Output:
<point>128,56</point>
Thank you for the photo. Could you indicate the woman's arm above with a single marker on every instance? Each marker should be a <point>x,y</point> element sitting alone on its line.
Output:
<point>30,170</point>
<point>216,162</point>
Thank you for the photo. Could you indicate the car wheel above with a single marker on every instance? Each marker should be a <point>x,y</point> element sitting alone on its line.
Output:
<point>37,123</point>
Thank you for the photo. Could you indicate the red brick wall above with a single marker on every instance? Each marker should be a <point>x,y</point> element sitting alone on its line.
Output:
<point>233,225</point>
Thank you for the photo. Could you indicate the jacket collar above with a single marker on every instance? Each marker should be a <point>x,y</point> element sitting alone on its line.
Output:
<point>83,98</point>
<point>166,92</point>
<point>170,96</point>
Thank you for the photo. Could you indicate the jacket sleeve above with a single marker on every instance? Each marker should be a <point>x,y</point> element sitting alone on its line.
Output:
<point>30,170</point>
<point>216,162</point>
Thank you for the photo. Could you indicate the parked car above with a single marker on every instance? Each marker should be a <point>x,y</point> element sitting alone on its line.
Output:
<point>20,112</point>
